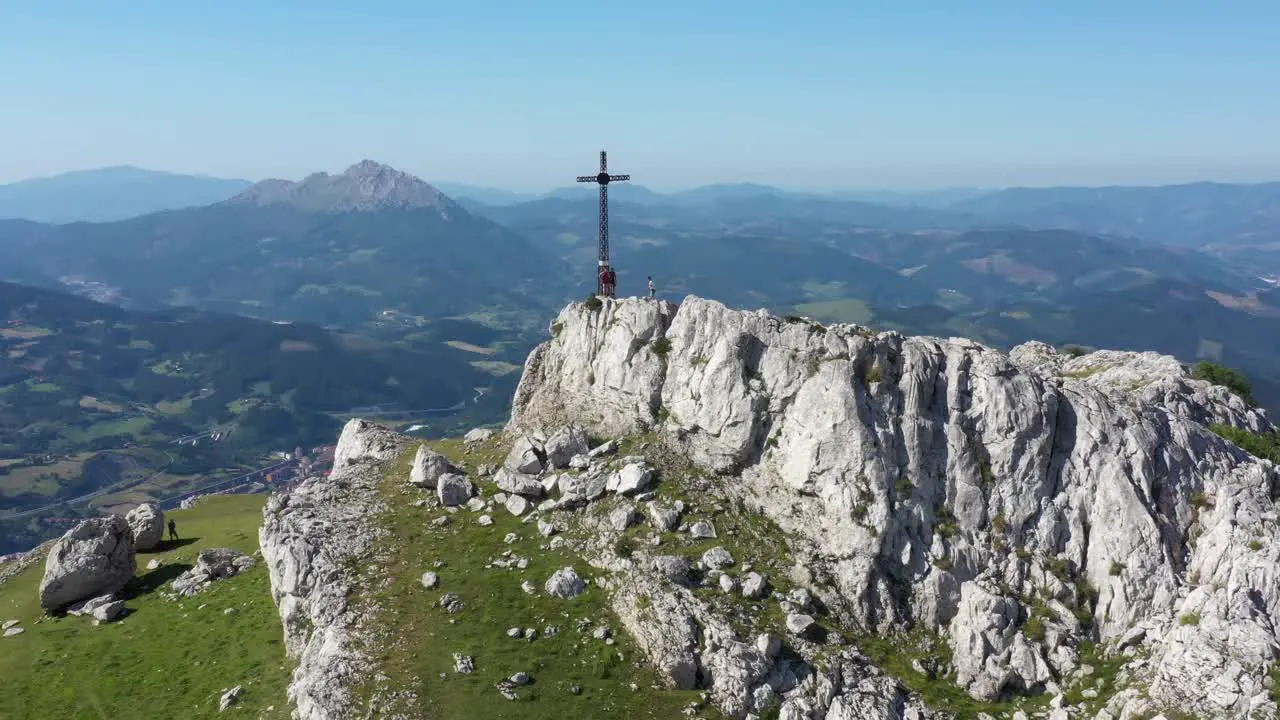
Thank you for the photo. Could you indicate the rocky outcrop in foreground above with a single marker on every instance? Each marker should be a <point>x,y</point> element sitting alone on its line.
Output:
<point>310,538</point>
<point>1019,506</point>
<point>147,522</point>
<point>94,558</point>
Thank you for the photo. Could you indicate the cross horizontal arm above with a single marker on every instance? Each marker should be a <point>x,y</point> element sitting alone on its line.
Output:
<point>615,178</point>
<point>587,178</point>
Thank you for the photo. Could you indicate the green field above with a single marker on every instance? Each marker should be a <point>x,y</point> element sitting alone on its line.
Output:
<point>165,659</point>
<point>846,310</point>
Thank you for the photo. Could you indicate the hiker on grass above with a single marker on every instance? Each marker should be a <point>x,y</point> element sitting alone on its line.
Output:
<point>173,529</point>
<point>652,288</point>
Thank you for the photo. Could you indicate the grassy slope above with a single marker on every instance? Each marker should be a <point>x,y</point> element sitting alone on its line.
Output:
<point>427,636</point>
<point>165,659</point>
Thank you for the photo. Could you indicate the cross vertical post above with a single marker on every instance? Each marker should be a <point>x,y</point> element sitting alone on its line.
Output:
<point>603,178</point>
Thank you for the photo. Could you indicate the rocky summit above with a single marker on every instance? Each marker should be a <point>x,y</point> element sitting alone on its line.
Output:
<point>363,187</point>
<point>804,522</point>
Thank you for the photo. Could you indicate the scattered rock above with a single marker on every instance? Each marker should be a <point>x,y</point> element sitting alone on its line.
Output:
<point>463,664</point>
<point>728,584</point>
<point>753,586</point>
<point>717,558</point>
<point>517,505</point>
<point>93,558</point>
<point>10,632</point>
<point>561,447</point>
<point>428,467</point>
<point>663,518</point>
<point>514,632</point>
<point>229,698</point>
<point>212,564</point>
<point>632,478</point>
<point>529,587</point>
<point>147,523</point>
<point>546,529</point>
<point>798,624</point>
<point>521,484</point>
<point>565,584</point>
<point>484,521</point>
<point>520,678</point>
<point>86,607</point>
<point>109,611</point>
<point>478,435</point>
<point>8,624</point>
<point>430,580</point>
<point>675,568</point>
<point>453,489</point>
<point>451,602</point>
<point>702,530</point>
<point>606,448</point>
<point>768,645</point>
<point>525,458</point>
<point>620,519</point>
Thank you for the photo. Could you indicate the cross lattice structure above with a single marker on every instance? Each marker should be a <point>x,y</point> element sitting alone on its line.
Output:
<point>603,178</point>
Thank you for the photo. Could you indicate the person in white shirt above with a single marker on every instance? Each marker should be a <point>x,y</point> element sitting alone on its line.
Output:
<point>652,288</point>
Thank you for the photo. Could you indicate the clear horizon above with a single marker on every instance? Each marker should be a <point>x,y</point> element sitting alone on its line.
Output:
<point>820,95</point>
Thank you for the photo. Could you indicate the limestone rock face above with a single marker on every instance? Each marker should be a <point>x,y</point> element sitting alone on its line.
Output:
<point>212,565</point>
<point>147,522</point>
<point>96,557</point>
<point>941,482</point>
<point>309,538</point>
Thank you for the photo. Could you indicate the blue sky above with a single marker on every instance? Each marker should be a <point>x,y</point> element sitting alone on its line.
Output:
<point>522,94</point>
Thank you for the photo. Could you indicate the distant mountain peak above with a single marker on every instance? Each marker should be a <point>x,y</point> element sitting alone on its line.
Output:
<point>364,187</point>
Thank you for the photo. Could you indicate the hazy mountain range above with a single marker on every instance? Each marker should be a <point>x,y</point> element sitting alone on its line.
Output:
<point>349,250</point>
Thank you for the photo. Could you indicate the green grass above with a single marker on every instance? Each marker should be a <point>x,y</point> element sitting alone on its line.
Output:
<point>165,659</point>
<point>845,310</point>
<point>45,387</point>
<point>428,635</point>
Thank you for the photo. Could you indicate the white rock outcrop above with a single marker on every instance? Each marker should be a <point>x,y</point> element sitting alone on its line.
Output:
<point>942,483</point>
<point>96,557</point>
<point>309,539</point>
<point>427,468</point>
<point>147,522</point>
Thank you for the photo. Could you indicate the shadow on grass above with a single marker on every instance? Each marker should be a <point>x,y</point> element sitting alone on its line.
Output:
<point>154,580</point>
<point>167,545</point>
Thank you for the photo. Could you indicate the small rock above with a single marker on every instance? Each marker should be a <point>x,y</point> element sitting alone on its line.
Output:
<point>476,504</point>
<point>514,632</point>
<point>10,632</point>
<point>620,519</point>
<point>576,690</point>
<point>478,435</point>
<point>229,611</point>
<point>520,678</point>
<point>463,663</point>
<point>565,584</point>
<point>484,521</point>
<point>441,521</point>
<point>798,624</point>
<point>430,580</point>
<point>702,530</point>
<point>717,558</point>
<point>603,632</point>
<point>9,623</point>
<point>229,698</point>
<point>753,586</point>
<point>510,538</point>
<point>768,645</point>
<point>530,634</point>
<point>153,564</point>
<point>728,584</point>
<point>546,529</point>
<point>633,478</point>
<point>453,489</point>
<point>529,587</point>
<point>800,597</point>
<point>451,602</point>
<point>557,542</point>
